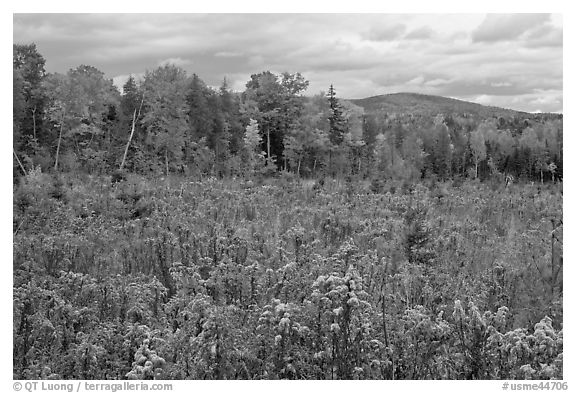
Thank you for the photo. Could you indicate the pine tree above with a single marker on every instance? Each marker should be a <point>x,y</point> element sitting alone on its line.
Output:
<point>336,118</point>
<point>231,113</point>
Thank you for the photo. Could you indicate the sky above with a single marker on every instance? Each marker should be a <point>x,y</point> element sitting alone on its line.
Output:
<point>507,60</point>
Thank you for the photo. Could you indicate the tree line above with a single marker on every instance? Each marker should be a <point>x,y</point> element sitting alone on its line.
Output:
<point>172,123</point>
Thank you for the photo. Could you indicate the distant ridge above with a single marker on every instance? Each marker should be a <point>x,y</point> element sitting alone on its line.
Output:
<point>429,105</point>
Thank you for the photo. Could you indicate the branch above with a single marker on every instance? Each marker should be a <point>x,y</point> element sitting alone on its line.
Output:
<point>19,162</point>
<point>134,117</point>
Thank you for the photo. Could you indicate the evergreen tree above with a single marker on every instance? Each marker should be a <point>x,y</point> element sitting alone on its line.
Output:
<point>199,116</point>
<point>336,118</point>
<point>131,104</point>
<point>231,111</point>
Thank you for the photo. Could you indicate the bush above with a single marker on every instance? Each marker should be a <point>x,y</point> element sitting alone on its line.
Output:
<point>377,185</point>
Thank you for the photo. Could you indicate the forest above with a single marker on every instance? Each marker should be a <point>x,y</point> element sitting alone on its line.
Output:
<point>175,230</point>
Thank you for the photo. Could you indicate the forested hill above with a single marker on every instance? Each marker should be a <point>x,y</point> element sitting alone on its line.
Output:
<point>423,104</point>
<point>171,122</point>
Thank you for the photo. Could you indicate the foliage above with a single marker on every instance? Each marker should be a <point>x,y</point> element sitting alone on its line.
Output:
<point>230,280</point>
<point>289,237</point>
<point>170,122</point>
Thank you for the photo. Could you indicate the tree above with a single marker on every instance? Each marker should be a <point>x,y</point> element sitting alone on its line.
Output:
<point>294,148</point>
<point>506,146</point>
<point>266,93</point>
<point>218,138</point>
<point>293,103</point>
<point>98,100</point>
<point>59,95</point>
<point>252,145</point>
<point>442,150</point>
<point>354,138</point>
<point>165,116</point>
<point>381,153</point>
<point>30,63</point>
<point>311,133</point>
<point>552,169</point>
<point>461,150</point>
<point>129,101</point>
<point>231,111</point>
<point>534,149</point>
<point>336,118</point>
<point>18,105</point>
<point>79,102</point>
<point>131,97</point>
<point>211,116</point>
<point>478,147</point>
<point>276,103</point>
<point>355,145</point>
<point>413,153</point>
<point>336,131</point>
<point>199,117</point>
<point>18,113</point>
<point>319,147</point>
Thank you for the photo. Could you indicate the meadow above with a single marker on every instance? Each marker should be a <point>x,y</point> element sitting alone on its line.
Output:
<point>285,278</point>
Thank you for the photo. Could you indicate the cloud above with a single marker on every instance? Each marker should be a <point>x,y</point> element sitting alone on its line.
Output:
<point>177,61</point>
<point>497,27</point>
<point>546,35</point>
<point>437,82</point>
<point>385,32</point>
<point>465,56</point>
<point>421,33</point>
<point>227,54</point>
<point>548,101</point>
<point>417,81</point>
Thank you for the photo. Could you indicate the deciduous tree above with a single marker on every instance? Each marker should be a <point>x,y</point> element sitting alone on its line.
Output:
<point>165,116</point>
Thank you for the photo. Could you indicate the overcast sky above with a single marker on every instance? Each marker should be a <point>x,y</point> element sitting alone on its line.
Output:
<point>513,61</point>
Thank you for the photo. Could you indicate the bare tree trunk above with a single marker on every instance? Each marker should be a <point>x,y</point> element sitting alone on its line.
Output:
<point>131,133</point>
<point>268,143</point>
<point>90,142</point>
<point>58,148</point>
<point>166,157</point>
<point>299,161</point>
<point>19,162</point>
<point>553,278</point>
<point>34,122</point>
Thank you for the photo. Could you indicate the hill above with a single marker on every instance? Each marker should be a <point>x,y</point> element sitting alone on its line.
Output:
<point>429,105</point>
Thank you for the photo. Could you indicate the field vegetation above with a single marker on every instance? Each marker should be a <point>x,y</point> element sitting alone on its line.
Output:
<point>284,278</point>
